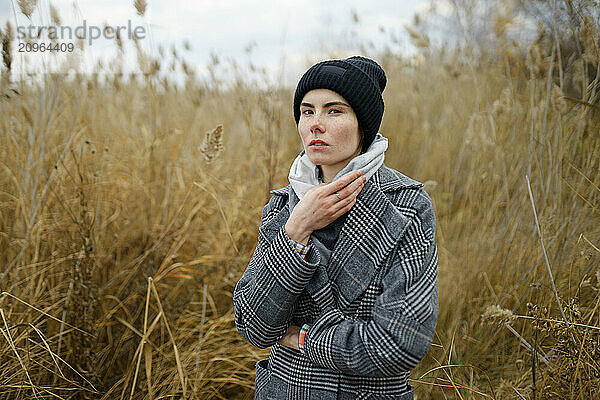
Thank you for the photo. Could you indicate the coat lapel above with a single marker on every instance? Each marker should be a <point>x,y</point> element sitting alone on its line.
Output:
<point>373,227</point>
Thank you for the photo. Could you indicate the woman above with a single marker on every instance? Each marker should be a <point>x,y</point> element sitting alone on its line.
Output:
<point>343,281</point>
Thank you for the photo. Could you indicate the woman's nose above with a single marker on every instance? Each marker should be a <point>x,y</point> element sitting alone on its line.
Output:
<point>317,124</point>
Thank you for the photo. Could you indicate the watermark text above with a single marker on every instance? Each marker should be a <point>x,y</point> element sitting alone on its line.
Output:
<point>85,31</point>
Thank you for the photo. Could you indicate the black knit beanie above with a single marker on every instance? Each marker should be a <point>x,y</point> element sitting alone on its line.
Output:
<point>357,79</point>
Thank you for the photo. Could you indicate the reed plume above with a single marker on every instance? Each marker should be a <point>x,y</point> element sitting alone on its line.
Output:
<point>27,7</point>
<point>54,15</point>
<point>140,6</point>
<point>6,38</point>
<point>213,144</point>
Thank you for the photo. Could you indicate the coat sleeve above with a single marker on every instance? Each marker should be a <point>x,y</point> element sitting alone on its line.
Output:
<point>403,318</point>
<point>264,298</point>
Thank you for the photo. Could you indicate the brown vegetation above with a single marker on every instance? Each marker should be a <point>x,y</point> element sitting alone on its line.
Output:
<point>124,227</point>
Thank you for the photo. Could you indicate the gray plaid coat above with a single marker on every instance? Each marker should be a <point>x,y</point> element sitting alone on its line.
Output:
<point>372,310</point>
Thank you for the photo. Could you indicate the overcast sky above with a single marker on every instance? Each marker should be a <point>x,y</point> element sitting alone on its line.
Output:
<point>280,34</point>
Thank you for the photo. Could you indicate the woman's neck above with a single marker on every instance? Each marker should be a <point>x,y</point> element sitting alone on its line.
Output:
<point>328,172</point>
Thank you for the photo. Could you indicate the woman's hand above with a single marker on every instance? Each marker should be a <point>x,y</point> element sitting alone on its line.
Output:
<point>323,204</point>
<point>290,339</point>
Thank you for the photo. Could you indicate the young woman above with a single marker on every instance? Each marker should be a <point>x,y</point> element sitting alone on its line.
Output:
<point>343,281</point>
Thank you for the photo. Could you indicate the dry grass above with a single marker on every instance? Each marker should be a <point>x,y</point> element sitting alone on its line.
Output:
<point>124,228</point>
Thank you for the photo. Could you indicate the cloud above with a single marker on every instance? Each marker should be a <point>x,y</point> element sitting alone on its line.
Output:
<point>5,9</point>
<point>283,31</point>
<point>440,7</point>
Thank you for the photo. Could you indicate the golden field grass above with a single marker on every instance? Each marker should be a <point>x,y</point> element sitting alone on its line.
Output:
<point>128,211</point>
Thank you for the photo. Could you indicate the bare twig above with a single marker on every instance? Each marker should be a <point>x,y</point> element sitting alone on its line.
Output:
<point>518,393</point>
<point>201,328</point>
<point>526,344</point>
<point>537,225</point>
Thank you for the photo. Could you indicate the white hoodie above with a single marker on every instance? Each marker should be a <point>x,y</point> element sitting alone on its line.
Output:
<point>304,174</point>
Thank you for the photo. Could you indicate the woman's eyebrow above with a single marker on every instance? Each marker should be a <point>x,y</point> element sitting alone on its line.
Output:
<point>331,103</point>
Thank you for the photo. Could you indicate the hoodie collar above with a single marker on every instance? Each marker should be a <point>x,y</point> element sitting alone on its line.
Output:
<point>304,174</point>
<point>386,179</point>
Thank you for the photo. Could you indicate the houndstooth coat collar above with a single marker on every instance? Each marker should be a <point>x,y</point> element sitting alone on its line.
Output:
<point>372,229</point>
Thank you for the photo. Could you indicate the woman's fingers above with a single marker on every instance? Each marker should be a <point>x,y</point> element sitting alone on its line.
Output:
<point>344,206</point>
<point>342,182</point>
<point>290,339</point>
<point>323,204</point>
<point>353,188</point>
<point>346,203</point>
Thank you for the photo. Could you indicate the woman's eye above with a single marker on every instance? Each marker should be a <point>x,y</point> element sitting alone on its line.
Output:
<point>335,109</point>
<point>306,111</point>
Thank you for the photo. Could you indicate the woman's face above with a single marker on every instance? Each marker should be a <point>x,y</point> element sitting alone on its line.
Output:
<point>327,117</point>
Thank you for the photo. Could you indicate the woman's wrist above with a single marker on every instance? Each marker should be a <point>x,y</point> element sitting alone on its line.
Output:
<point>296,233</point>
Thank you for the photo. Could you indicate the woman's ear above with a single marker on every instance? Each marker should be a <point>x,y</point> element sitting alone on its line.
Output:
<point>362,140</point>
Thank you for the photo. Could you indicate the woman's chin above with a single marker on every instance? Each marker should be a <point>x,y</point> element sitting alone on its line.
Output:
<point>319,153</point>
<point>319,160</point>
